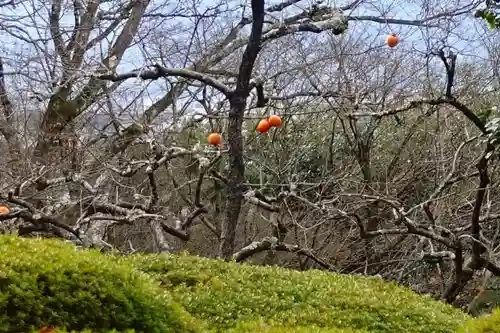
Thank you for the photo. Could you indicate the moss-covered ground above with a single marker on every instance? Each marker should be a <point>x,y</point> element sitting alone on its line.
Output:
<point>50,283</point>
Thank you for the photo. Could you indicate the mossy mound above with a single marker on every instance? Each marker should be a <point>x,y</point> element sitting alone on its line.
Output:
<point>226,294</point>
<point>63,330</point>
<point>483,324</point>
<point>50,283</point>
<point>308,329</point>
<point>254,327</point>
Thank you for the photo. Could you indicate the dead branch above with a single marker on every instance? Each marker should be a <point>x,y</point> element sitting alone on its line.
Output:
<point>334,21</point>
<point>450,63</point>
<point>272,244</point>
<point>157,71</point>
<point>250,196</point>
<point>427,22</point>
<point>126,213</point>
<point>33,215</point>
<point>154,189</point>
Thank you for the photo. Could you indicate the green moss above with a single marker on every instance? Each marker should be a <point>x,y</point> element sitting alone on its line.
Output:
<point>259,326</point>
<point>63,330</point>
<point>483,324</point>
<point>225,294</point>
<point>48,282</point>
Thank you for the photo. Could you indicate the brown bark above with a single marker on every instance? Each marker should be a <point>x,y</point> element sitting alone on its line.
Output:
<point>7,128</point>
<point>235,139</point>
<point>465,272</point>
<point>62,111</point>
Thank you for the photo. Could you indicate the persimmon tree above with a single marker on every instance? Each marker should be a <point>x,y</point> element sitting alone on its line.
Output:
<point>315,19</point>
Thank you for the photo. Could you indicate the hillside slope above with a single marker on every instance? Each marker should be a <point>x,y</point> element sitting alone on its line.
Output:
<point>226,295</point>
<point>51,283</point>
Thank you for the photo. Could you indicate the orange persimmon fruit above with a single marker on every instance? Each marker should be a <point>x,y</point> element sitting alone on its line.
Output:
<point>263,126</point>
<point>215,139</point>
<point>392,40</point>
<point>4,209</point>
<point>274,121</point>
<point>47,330</point>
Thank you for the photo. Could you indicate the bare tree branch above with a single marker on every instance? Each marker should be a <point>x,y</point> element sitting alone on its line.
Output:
<point>159,71</point>
<point>272,244</point>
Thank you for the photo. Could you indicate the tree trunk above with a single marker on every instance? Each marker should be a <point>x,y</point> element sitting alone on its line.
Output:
<point>238,102</point>
<point>236,177</point>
